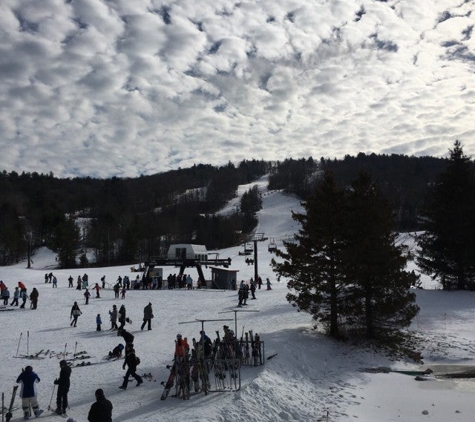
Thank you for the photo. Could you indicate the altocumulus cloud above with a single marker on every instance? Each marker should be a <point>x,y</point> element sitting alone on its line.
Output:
<point>121,88</point>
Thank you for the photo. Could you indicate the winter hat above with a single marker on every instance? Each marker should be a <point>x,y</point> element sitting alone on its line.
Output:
<point>63,362</point>
<point>178,336</point>
<point>29,368</point>
<point>99,393</point>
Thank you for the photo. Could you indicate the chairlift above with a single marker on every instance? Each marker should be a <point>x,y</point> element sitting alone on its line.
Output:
<point>248,249</point>
<point>272,245</point>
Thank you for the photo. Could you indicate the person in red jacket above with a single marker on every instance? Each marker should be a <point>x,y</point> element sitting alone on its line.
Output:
<point>97,289</point>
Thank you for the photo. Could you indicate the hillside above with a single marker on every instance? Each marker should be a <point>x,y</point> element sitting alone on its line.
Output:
<point>312,378</point>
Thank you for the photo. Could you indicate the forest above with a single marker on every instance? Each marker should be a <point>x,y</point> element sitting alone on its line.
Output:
<point>131,219</point>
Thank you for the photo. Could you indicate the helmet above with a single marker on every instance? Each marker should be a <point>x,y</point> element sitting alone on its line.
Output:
<point>29,368</point>
<point>178,336</point>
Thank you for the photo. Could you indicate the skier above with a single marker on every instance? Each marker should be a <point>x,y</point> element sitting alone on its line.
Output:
<point>75,312</point>
<point>16,296</point>
<point>122,317</point>
<point>123,292</point>
<point>253,289</point>
<point>116,351</point>
<point>116,290</point>
<point>34,298</point>
<point>28,378</point>
<point>46,277</point>
<point>85,280</point>
<point>113,317</point>
<point>21,286</point>
<point>207,345</point>
<point>128,337</point>
<point>181,347</point>
<point>79,283</point>
<point>63,388</point>
<point>268,284</point>
<point>70,280</point>
<point>126,282</point>
<point>189,282</point>
<point>147,316</point>
<point>97,288</point>
<point>55,282</point>
<point>131,363</point>
<point>103,280</point>
<point>98,322</point>
<point>24,296</point>
<point>259,281</point>
<point>101,410</point>
<point>5,295</point>
<point>87,295</point>
<point>50,277</point>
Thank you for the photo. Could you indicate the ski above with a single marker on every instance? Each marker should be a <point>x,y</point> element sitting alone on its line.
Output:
<point>9,414</point>
<point>169,383</point>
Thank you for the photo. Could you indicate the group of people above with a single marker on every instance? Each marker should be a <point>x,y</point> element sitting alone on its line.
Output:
<point>245,288</point>
<point>51,278</point>
<point>100,411</point>
<point>20,292</point>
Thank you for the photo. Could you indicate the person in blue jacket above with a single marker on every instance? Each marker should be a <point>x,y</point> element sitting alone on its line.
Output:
<point>28,379</point>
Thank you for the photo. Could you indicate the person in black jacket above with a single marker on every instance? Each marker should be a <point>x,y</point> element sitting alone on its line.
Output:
<point>131,362</point>
<point>63,387</point>
<point>128,337</point>
<point>147,316</point>
<point>101,410</point>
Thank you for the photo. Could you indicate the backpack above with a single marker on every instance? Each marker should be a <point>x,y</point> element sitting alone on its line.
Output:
<point>137,360</point>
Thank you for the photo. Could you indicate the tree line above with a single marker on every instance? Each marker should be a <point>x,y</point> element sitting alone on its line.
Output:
<point>131,219</point>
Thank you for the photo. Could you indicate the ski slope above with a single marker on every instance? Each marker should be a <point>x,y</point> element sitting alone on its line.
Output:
<point>312,377</point>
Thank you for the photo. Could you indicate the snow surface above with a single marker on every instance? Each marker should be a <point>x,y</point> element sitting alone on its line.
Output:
<point>312,378</point>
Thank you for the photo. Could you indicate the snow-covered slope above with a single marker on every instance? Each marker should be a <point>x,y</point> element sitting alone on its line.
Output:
<point>312,378</point>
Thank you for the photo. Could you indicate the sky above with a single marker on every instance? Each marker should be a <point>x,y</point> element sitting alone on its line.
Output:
<point>105,88</point>
<point>311,379</point>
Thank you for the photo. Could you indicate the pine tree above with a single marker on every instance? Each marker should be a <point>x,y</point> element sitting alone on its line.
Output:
<point>447,246</point>
<point>66,242</point>
<point>312,261</point>
<point>378,287</point>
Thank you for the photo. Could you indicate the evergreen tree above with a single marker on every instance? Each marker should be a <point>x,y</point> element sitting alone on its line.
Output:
<point>447,246</point>
<point>344,264</point>
<point>378,287</point>
<point>313,261</point>
<point>65,242</point>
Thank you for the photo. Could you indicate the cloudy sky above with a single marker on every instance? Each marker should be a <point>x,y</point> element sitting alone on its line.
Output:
<point>122,88</point>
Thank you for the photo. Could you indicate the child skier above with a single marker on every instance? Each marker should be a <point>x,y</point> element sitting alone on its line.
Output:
<point>116,352</point>
<point>98,322</point>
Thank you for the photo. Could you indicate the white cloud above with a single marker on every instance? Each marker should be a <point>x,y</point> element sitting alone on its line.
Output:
<point>126,88</point>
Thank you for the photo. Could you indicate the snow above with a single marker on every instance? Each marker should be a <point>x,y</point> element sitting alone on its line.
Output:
<point>312,378</point>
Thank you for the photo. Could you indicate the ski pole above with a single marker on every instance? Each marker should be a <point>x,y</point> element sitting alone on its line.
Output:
<point>51,399</point>
<point>75,348</point>
<point>19,340</point>
<point>65,346</point>
<point>27,343</point>
<point>3,404</point>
